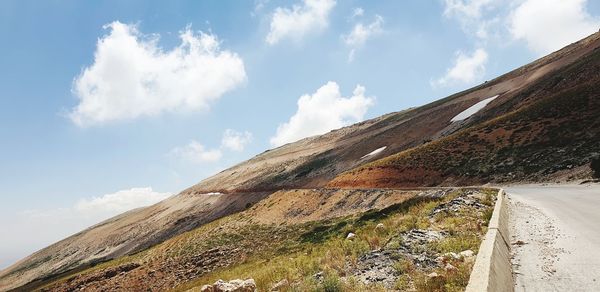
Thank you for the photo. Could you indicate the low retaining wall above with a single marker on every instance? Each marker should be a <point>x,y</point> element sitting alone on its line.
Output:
<point>492,270</point>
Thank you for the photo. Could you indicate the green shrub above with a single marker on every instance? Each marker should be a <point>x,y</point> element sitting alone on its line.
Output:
<point>595,165</point>
<point>487,216</point>
<point>425,284</point>
<point>457,243</point>
<point>332,283</point>
<point>404,266</point>
<point>403,282</point>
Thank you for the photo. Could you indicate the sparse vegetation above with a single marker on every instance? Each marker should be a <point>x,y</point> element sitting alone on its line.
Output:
<point>325,251</point>
<point>316,256</point>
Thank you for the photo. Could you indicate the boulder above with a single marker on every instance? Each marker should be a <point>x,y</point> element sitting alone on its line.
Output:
<point>350,236</point>
<point>452,255</point>
<point>236,285</point>
<point>466,253</point>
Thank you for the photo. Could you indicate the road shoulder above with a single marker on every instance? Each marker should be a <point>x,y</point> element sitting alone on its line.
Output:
<point>549,254</point>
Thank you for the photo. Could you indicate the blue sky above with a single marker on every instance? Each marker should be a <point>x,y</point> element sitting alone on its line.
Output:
<point>102,107</point>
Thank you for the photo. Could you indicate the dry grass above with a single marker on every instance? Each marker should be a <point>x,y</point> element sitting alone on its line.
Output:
<point>333,255</point>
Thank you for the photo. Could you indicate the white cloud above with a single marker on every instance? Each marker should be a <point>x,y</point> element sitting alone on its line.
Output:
<point>357,12</point>
<point>544,25</point>
<point>548,25</point>
<point>361,33</point>
<point>295,23</point>
<point>121,201</point>
<point>196,153</point>
<point>466,8</point>
<point>476,17</point>
<point>467,69</point>
<point>236,141</point>
<point>260,4</point>
<point>132,76</point>
<point>323,111</point>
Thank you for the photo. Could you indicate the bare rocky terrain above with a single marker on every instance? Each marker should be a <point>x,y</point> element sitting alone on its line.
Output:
<point>543,126</point>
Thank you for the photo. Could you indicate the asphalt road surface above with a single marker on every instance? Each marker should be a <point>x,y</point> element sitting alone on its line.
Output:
<point>555,237</point>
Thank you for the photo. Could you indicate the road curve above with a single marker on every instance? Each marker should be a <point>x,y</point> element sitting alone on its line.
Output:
<point>555,237</point>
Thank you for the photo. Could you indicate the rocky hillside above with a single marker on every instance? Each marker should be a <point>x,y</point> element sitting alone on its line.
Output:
<point>303,235</point>
<point>542,125</point>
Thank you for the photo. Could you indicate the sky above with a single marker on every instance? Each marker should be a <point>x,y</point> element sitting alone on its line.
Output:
<point>107,106</point>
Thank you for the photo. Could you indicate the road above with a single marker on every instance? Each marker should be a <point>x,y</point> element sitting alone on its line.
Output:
<point>555,237</point>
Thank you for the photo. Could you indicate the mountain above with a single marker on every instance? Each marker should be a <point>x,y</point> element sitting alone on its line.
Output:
<point>537,123</point>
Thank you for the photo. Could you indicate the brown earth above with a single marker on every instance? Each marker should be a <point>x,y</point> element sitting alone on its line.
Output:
<point>546,131</point>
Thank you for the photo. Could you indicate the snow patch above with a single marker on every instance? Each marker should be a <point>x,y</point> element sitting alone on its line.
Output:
<point>473,109</point>
<point>374,152</point>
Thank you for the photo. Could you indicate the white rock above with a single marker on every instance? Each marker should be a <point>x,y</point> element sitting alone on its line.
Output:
<point>452,255</point>
<point>466,253</point>
<point>351,236</point>
<point>236,285</point>
<point>380,227</point>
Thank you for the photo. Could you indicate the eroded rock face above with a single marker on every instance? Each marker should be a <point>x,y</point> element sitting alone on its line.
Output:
<point>236,285</point>
<point>421,236</point>
<point>377,267</point>
<point>458,204</point>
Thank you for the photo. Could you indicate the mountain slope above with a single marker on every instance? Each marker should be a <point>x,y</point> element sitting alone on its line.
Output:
<point>542,126</point>
<point>548,130</point>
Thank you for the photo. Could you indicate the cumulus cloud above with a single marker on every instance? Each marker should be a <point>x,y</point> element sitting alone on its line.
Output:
<point>196,152</point>
<point>324,110</point>
<point>476,17</point>
<point>466,8</point>
<point>259,5</point>
<point>121,201</point>
<point>361,33</point>
<point>301,19</point>
<point>132,76</point>
<point>548,25</point>
<point>357,12</point>
<point>467,69</point>
<point>236,141</point>
<point>544,25</point>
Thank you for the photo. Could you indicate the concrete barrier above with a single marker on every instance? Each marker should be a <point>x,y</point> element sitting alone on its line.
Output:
<point>492,270</point>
